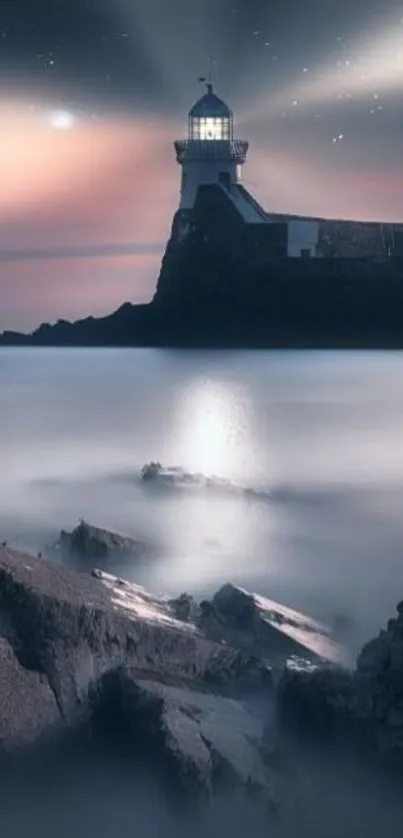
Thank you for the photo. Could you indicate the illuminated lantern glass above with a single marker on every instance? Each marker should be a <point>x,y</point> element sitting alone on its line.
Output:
<point>210,128</point>
<point>210,119</point>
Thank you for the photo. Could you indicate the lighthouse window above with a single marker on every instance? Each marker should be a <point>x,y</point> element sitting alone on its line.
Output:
<point>210,128</point>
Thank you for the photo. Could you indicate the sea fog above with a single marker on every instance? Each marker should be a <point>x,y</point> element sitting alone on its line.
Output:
<point>104,794</point>
<point>319,433</point>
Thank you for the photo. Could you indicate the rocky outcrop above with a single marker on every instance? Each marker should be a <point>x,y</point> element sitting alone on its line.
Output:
<point>154,474</point>
<point>224,283</point>
<point>266,628</point>
<point>363,708</point>
<point>190,684</point>
<point>203,741</point>
<point>93,544</point>
<point>188,688</point>
<point>76,650</point>
<point>185,608</point>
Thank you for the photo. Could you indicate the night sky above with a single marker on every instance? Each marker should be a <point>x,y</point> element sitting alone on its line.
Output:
<point>93,93</point>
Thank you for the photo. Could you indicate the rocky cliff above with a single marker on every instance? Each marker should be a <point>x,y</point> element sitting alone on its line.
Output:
<point>224,283</point>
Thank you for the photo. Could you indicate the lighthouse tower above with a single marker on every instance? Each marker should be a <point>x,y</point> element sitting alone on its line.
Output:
<point>210,154</point>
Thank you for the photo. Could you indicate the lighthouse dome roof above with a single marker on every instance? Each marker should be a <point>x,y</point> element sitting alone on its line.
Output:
<point>210,106</point>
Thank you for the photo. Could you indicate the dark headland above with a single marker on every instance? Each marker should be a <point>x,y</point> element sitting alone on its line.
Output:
<point>224,283</point>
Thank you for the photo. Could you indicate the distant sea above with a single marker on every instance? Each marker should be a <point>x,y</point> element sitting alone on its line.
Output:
<point>322,432</point>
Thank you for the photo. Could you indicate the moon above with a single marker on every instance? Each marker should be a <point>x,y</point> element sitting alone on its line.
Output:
<point>62,120</point>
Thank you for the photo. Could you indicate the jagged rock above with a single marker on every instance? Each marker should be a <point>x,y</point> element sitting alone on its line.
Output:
<point>314,703</point>
<point>150,471</point>
<point>226,667</point>
<point>185,608</point>
<point>79,652</point>
<point>28,706</point>
<point>175,477</point>
<point>204,742</point>
<point>63,631</point>
<point>364,706</point>
<point>271,630</point>
<point>89,543</point>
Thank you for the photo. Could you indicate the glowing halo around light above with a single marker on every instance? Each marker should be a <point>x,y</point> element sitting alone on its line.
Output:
<point>62,120</point>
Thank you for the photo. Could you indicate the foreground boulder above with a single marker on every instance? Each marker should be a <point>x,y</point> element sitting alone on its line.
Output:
<point>64,635</point>
<point>93,544</point>
<point>204,741</point>
<point>362,708</point>
<point>94,656</point>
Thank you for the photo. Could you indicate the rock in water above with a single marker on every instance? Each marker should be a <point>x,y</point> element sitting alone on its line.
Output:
<point>93,544</point>
<point>156,475</point>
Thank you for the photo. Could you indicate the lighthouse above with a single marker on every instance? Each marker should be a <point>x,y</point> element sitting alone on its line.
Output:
<point>210,154</point>
<point>212,157</point>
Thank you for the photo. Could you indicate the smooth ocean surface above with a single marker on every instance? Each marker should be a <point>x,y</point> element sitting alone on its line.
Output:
<point>322,431</point>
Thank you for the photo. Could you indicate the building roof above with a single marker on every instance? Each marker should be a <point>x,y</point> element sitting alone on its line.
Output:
<point>210,105</point>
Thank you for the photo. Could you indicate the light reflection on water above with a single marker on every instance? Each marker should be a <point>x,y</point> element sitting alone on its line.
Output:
<point>323,430</point>
<point>212,427</point>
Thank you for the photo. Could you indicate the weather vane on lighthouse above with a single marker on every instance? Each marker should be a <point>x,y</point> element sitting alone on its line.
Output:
<point>209,78</point>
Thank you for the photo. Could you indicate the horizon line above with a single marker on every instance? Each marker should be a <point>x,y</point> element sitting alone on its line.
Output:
<point>82,251</point>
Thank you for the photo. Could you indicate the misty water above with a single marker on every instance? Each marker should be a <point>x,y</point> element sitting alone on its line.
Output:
<point>321,431</point>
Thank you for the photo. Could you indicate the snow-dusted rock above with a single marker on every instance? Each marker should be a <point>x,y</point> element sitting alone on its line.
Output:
<point>216,663</point>
<point>62,631</point>
<point>248,622</point>
<point>269,629</point>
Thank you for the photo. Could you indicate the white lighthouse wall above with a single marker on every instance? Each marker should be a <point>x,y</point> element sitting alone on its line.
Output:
<point>201,172</point>
<point>303,238</point>
<point>249,209</point>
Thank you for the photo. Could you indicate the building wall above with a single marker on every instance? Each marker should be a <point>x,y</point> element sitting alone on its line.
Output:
<point>313,237</point>
<point>303,238</point>
<point>195,174</point>
<point>302,234</point>
<point>248,208</point>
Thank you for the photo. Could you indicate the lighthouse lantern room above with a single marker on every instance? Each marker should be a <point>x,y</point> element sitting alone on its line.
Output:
<point>211,119</point>
<point>209,154</point>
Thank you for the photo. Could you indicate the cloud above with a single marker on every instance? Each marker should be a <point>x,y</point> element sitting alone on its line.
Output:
<point>81,252</point>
